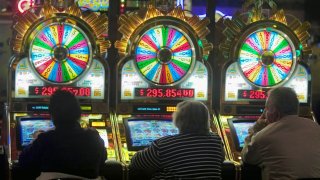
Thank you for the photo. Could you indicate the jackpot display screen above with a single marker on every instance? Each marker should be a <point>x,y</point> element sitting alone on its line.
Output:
<point>166,60</point>
<point>164,66</point>
<point>267,57</point>
<point>141,133</point>
<point>60,53</point>
<point>237,88</point>
<point>164,55</point>
<point>28,84</point>
<point>135,86</point>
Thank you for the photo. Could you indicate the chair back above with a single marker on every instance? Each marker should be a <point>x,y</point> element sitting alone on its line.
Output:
<point>58,175</point>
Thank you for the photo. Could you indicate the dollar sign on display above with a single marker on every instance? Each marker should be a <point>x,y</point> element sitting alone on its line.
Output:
<point>244,94</point>
<point>36,90</point>
<point>141,92</point>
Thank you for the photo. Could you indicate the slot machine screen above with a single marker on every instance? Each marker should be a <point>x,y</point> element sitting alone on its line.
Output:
<point>28,126</point>
<point>104,136</point>
<point>140,133</point>
<point>100,126</point>
<point>239,131</point>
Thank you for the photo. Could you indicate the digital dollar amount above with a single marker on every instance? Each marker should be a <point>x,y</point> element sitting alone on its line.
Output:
<point>49,90</point>
<point>252,94</point>
<point>164,93</point>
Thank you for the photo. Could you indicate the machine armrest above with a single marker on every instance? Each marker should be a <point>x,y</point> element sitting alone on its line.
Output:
<point>113,170</point>
<point>228,170</point>
<point>249,171</point>
<point>4,165</point>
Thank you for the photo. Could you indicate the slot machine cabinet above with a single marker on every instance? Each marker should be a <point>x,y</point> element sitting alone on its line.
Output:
<point>59,48</point>
<point>262,52</point>
<point>163,62</point>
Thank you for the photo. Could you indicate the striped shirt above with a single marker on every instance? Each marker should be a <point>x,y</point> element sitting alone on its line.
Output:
<point>182,156</point>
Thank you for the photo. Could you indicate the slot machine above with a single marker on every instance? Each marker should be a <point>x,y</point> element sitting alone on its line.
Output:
<point>261,52</point>
<point>58,48</point>
<point>163,62</point>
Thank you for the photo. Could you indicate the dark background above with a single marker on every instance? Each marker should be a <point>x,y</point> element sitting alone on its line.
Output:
<point>305,10</point>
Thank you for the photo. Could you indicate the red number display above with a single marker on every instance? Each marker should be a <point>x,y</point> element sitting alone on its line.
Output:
<point>164,93</point>
<point>49,90</point>
<point>252,94</point>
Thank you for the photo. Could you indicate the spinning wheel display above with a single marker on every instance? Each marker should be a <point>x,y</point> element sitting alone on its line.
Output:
<point>164,54</point>
<point>266,57</point>
<point>60,52</point>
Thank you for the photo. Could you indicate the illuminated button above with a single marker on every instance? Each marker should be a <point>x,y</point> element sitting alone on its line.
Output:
<point>98,124</point>
<point>200,94</point>
<point>86,108</point>
<point>171,109</point>
<point>127,93</point>
<point>231,95</point>
<point>97,92</point>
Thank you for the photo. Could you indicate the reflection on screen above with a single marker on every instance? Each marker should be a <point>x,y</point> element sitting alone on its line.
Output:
<point>29,127</point>
<point>242,130</point>
<point>104,136</point>
<point>144,132</point>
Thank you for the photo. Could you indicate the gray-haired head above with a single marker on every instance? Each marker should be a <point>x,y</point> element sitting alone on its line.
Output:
<point>192,117</point>
<point>284,100</point>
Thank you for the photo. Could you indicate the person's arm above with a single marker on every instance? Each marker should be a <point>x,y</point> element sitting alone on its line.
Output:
<point>251,152</point>
<point>104,153</point>
<point>30,156</point>
<point>223,152</point>
<point>29,163</point>
<point>99,144</point>
<point>260,124</point>
<point>147,159</point>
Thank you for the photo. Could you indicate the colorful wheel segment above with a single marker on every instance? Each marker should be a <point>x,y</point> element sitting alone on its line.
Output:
<point>266,57</point>
<point>164,55</point>
<point>60,52</point>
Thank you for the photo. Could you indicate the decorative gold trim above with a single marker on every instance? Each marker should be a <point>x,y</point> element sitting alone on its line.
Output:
<point>21,27</point>
<point>48,10</point>
<point>152,12</point>
<point>130,22</point>
<point>236,26</point>
<point>29,21</point>
<point>178,13</point>
<point>280,17</point>
<point>256,15</point>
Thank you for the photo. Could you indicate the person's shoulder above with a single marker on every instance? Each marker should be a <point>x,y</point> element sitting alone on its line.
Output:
<point>266,132</point>
<point>213,134</point>
<point>92,135</point>
<point>189,136</point>
<point>310,124</point>
<point>295,120</point>
<point>167,139</point>
<point>91,131</point>
<point>46,134</point>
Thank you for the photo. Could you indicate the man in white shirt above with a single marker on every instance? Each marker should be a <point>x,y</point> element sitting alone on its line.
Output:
<point>289,146</point>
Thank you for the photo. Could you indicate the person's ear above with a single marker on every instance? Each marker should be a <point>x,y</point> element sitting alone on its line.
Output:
<point>278,115</point>
<point>274,116</point>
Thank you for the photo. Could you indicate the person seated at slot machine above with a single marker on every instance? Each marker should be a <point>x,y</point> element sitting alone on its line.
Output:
<point>68,150</point>
<point>194,153</point>
<point>289,146</point>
